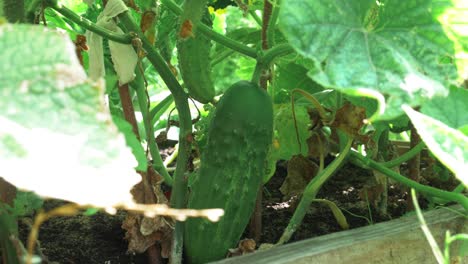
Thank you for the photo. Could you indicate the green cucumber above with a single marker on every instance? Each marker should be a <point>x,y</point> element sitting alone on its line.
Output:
<point>194,52</point>
<point>233,162</point>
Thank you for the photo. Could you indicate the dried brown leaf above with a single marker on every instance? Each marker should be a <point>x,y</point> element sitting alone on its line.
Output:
<point>350,119</point>
<point>300,172</point>
<point>143,232</point>
<point>245,246</point>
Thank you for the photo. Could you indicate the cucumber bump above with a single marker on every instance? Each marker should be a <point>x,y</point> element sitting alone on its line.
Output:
<point>232,166</point>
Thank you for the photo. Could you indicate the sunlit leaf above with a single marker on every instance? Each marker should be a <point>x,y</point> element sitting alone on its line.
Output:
<point>451,110</point>
<point>449,145</point>
<point>395,49</point>
<point>56,135</point>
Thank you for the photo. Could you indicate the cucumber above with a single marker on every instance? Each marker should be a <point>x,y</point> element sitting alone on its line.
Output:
<point>194,52</point>
<point>232,166</point>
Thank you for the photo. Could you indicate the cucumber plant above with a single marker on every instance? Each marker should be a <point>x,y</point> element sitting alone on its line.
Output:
<point>232,168</point>
<point>373,58</point>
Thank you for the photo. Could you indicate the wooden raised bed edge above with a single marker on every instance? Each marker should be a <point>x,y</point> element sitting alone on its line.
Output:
<point>396,241</point>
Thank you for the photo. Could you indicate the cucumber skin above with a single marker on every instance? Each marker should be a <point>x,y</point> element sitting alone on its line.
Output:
<point>232,167</point>
<point>194,53</point>
<point>195,67</point>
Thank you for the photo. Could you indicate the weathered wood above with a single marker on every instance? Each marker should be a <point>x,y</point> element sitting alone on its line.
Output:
<point>396,241</point>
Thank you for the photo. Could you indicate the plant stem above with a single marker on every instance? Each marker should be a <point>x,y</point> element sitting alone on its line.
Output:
<point>85,23</point>
<point>414,164</point>
<point>272,23</point>
<point>127,106</point>
<point>430,238</point>
<point>311,191</point>
<point>228,42</point>
<point>255,17</point>
<point>267,9</point>
<point>8,229</point>
<point>160,108</point>
<point>264,61</point>
<point>449,239</point>
<point>31,9</point>
<point>279,50</point>
<point>405,157</point>
<point>257,73</point>
<point>255,225</point>
<point>266,69</point>
<point>449,196</point>
<point>158,164</point>
<point>179,190</point>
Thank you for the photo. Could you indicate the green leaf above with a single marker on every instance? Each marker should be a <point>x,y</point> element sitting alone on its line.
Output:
<point>453,16</point>
<point>289,76</point>
<point>58,138</point>
<point>25,203</point>
<point>451,110</point>
<point>91,211</point>
<point>286,143</point>
<point>464,129</point>
<point>392,48</point>
<point>132,142</point>
<point>450,146</point>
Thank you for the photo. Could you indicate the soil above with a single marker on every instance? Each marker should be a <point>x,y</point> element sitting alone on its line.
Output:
<point>99,238</point>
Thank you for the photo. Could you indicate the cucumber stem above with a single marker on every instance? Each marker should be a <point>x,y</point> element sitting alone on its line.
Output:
<point>277,51</point>
<point>272,23</point>
<point>179,190</point>
<point>311,191</point>
<point>160,108</point>
<point>355,157</point>
<point>158,164</point>
<point>405,157</point>
<point>255,17</point>
<point>85,23</point>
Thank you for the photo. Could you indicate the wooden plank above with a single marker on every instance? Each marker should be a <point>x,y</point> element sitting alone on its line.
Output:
<point>396,241</point>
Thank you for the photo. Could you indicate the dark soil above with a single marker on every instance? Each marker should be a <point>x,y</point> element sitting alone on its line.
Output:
<point>99,238</point>
<point>342,189</point>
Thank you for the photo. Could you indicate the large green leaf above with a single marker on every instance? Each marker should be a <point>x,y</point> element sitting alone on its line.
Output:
<point>449,145</point>
<point>452,110</point>
<point>56,135</point>
<point>395,48</point>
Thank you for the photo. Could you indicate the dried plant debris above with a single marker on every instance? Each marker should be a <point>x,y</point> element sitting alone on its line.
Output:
<point>143,232</point>
<point>300,171</point>
<point>245,246</point>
